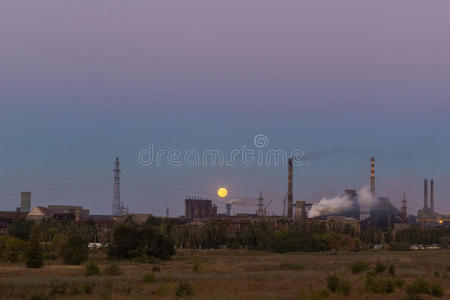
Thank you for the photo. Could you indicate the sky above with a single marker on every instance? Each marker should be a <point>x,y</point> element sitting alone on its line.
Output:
<point>82,82</point>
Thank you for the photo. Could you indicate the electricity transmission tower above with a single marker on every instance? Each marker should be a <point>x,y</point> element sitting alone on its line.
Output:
<point>118,207</point>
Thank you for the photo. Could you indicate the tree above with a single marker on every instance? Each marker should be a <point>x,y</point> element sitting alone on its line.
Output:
<point>73,250</point>
<point>21,229</point>
<point>130,242</point>
<point>34,251</point>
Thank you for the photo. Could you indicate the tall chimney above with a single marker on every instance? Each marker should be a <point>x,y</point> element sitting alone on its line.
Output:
<point>425,194</point>
<point>290,190</point>
<point>372,176</point>
<point>432,195</point>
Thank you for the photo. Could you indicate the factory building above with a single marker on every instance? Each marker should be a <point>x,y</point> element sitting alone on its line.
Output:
<point>199,208</point>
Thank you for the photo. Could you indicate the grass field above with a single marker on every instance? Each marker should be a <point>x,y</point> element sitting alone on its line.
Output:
<point>225,274</point>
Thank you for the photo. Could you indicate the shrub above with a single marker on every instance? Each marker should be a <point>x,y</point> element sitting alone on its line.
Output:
<point>359,267</point>
<point>437,289</point>
<point>436,273</point>
<point>34,253</point>
<point>130,242</point>
<point>91,268</point>
<point>14,249</point>
<point>156,269</point>
<point>379,285</point>
<point>149,278</point>
<point>184,289</point>
<point>73,250</point>
<point>379,267</point>
<point>392,269</point>
<point>113,270</point>
<point>74,291</point>
<point>58,288</point>
<point>339,285</point>
<point>418,286</point>
<point>197,265</point>
<point>87,287</point>
<point>399,282</point>
<point>312,294</point>
<point>37,295</point>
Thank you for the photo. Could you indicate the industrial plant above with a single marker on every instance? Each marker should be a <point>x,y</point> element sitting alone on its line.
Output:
<point>354,210</point>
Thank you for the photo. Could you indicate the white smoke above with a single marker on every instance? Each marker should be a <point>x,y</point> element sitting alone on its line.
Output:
<point>329,206</point>
<point>242,201</point>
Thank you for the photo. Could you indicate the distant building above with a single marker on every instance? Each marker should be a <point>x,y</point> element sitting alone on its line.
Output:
<point>198,208</point>
<point>25,202</point>
<point>58,212</point>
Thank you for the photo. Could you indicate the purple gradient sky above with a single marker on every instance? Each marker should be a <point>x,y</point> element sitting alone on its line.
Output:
<point>84,81</point>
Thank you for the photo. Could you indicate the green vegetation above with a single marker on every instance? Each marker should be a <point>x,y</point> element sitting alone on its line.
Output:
<point>34,252</point>
<point>184,289</point>
<point>91,269</point>
<point>359,267</point>
<point>130,241</point>
<point>113,270</point>
<point>338,284</point>
<point>379,267</point>
<point>73,249</point>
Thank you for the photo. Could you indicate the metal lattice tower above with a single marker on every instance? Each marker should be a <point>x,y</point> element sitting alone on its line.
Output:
<point>404,207</point>
<point>260,211</point>
<point>117,208</point>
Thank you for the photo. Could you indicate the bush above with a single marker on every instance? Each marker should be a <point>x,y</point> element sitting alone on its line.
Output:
<point>74,291</point>
<point>58,288</point>
<point>73,250</point>
<point>436,273</point>
<point>34,253</point>
<point>91,268</point>
<point>359,267</point>
<point>156,269</point>
<point>184,289</point>
<point>131,242</point>
<point>339,285</point>
<point>379,267</point>
<point>87,288</point>
<point>197,265</point>
<point>379,285</point>
<point>14,250</point>
<point>418,286</point>
<point>37,295</point>
<point>437,289</point>
<point>113,270</point>
<point>149,278</point>
<point>312,294</point>
<point>392,269</point>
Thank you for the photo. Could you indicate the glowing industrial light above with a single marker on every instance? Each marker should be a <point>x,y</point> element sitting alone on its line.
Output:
<point>222,192</point>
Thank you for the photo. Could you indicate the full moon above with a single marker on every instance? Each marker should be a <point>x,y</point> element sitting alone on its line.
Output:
<point>222,192</point>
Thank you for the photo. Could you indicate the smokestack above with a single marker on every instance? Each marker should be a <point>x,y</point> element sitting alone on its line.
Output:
<point>432,195</point>
<point>372,176</point>
<point>290,190</point>
<point>425,194</point>
<point>228,206</point>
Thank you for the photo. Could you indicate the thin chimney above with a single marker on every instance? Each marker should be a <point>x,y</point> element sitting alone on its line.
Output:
<point>290,190</point>
<point>432,195</point>
<point>372,176</point>
<point>425,194</point>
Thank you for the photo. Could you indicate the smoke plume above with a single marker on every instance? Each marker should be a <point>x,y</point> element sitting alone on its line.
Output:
<point>339,204</point>
<point>242,201</point>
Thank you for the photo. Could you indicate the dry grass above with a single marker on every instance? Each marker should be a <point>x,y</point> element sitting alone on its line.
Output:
<point>223,274</point>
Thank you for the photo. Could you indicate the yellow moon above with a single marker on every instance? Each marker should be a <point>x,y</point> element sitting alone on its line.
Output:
<point>222,192</point>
